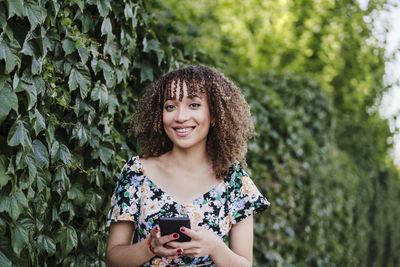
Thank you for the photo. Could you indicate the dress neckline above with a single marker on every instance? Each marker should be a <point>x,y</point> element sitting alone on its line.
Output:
<point>154,185</point>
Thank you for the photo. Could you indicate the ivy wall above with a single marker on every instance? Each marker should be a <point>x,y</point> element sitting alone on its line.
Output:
<point>70,73</point>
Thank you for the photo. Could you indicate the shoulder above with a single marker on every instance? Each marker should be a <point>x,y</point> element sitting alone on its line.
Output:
<point>131,170</point>
<point>240,181</point>
<point>133,165</point>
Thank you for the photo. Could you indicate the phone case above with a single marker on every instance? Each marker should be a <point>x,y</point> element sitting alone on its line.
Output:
<point>170,225</point>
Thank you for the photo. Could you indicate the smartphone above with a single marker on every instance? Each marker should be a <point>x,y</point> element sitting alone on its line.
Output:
<point>170,225</point>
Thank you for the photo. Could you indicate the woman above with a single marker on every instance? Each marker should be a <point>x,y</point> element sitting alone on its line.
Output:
<point>192,126</point>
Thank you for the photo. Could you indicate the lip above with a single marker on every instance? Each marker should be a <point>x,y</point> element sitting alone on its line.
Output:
<point>183,133</point>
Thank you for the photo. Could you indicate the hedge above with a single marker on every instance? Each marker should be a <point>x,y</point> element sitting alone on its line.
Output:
<point>70,73</point>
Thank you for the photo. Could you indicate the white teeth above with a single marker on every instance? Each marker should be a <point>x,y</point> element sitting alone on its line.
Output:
<point>184,130</point>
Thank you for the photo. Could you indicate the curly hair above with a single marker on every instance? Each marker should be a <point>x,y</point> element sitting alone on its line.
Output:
<point>231,125</point>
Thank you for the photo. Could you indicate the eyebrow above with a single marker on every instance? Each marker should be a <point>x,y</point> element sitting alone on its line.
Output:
<point>189,96</point>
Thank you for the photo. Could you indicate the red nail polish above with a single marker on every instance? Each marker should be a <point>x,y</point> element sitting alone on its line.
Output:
<point>175,236</point>
<point>157,228</point>
<point>182,229</point>
<point>179,250</point>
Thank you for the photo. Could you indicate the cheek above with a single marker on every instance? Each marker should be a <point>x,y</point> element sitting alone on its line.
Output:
<point>166,118</point>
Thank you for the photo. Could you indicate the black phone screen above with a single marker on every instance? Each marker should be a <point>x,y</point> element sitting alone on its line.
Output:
<point>170,225</point>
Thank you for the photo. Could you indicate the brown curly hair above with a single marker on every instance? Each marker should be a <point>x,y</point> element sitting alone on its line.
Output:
<point>231,120</point>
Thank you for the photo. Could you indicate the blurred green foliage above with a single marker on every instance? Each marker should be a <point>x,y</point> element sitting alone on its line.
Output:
<point>312,72</point>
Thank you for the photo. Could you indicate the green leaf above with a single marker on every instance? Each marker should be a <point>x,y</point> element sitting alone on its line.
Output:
<point>68,45</point>
<point>3,20</point>
<point>94,200</point>
<point>15,82</point>
<point>104,7</point>
<point>31,168</point>
<point>4,261</point>
<point>30,88</point>
<point>19,135</point>
<point>80,133</point>
<point>108,73</point>
<point>13,204</point>
<point>64,99</point>
<point>35,13</point>
<point>80,76</point>
<point>27,48</point>
<point>8,52</point>
<point>62,178</point>
<point>106,27</point>
<point>84,54</point>
<point>8,101</point>
<point>39,123</point>
<point>4,177</point>
<point>112,104</point>
<point>54,151</point>
<point>105,154</point>
<point>76,194</point>
<point>41,154</point>
<point>45,243</point>
<point>4,79</point>
<point>60,152</point>
<point>128,11</point>
<point>20,235</point>
<point>100,93</point>
<point>36,67</point>
<point>146,73</point>
<point>67,238</point>
<point>15,7</point>
<point>43,179</point>
<point>153,45</point>
<point>80,3</point>
<point>64,154</point>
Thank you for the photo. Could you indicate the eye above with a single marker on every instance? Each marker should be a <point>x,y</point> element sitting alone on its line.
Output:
<point>169,107</point>
<point>194,105</point>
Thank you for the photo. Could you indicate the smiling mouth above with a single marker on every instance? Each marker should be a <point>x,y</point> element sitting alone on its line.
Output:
<point>184,130</point>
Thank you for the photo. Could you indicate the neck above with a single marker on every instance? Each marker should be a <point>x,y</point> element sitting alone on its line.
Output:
<point>185,158</point>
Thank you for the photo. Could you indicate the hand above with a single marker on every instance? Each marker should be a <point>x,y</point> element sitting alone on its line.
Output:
<point>158,242</point>
<point>204,242</point>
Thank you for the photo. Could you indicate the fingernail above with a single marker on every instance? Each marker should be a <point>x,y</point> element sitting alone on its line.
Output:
<point>175,236</point>
<point>182,229</point>
<point>157,228</point>
<point>179,250</point>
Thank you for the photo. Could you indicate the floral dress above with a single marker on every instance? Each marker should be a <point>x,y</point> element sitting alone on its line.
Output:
<point>136,198</point>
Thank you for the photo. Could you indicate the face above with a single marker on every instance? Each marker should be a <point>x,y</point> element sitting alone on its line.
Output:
<point>187,122</point>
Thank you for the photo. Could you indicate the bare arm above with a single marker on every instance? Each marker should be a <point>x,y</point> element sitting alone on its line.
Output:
<point>240,250</point>
<point>121,251</point>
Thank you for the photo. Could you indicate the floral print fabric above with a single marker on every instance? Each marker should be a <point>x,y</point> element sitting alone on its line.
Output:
<point>136,198</point>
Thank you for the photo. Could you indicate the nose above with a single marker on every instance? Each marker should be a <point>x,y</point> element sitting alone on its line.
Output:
<point>181,114</point>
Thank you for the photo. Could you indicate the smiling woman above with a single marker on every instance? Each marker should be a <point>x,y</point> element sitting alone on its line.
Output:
<point>193,125</point>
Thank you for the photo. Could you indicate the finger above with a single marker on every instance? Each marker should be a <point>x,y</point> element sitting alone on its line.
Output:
<point>153,236</point>
<point>193,252</point>
<point>196,228</point>
<point>167,238</point>
<point>154,231</point>
<point>183,245</point>
<point>164,252</point>
<point>189,232</point>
